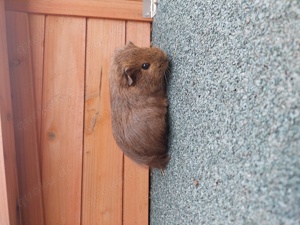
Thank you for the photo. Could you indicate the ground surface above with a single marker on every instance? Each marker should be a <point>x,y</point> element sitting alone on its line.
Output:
<point>234,96</point>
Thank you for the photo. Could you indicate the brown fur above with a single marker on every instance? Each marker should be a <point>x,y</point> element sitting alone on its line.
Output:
<point>139,104</point>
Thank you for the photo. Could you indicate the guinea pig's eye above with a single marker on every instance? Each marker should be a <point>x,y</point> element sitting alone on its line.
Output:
<point>146,66</point>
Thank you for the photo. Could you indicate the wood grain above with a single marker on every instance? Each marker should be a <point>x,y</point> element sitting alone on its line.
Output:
<point>121,10</point>
<point>62,119</point>
<point>136,178</point>
<point>37,36</point>
<point>24,112</point>
<point>62,111</point>
<point>9,192</point>
<point>103,161</point>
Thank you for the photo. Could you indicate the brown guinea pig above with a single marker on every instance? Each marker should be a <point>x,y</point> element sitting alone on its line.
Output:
<point>139,104</point>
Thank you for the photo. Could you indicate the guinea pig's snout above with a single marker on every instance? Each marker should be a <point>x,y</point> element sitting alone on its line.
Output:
<point>166,61</point>
<point>164,65</point>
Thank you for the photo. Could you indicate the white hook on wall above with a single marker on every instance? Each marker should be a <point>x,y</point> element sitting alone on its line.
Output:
<point>149,8</point>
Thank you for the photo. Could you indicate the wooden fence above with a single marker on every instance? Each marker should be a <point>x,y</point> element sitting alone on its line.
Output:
<point>69,168</point>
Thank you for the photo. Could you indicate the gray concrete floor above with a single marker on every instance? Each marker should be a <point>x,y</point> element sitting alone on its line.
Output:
<point>234,111</point>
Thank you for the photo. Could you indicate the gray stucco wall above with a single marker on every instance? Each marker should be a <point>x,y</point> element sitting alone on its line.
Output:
<point>234,111</point>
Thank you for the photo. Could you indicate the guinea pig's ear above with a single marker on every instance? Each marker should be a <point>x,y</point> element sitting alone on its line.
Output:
<point>130,45</point>
<point>130,76</point>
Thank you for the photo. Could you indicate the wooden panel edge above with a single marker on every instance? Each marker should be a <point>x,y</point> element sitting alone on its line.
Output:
<point>121,10</point>
<point>24,113</point>
<point>4,212</point>
<point>9,187</point>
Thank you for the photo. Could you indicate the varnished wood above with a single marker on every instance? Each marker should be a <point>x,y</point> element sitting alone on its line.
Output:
<point>62,119</point>
<point>8,168</point>
<point>25,118</point>
<point>103,161</point>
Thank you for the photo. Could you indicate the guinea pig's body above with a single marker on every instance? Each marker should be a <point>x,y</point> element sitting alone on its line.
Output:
<point>139,104</point>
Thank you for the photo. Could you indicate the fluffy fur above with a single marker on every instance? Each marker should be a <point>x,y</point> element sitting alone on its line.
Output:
<point>139,104</point>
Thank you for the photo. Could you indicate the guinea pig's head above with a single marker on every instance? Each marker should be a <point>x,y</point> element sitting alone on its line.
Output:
<point>137,66</point>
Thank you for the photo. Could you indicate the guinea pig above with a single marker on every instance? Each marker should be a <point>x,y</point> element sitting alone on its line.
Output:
<point>139,104</point>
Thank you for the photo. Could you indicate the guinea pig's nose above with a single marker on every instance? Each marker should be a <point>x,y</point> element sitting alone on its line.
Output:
<point>166,60</point>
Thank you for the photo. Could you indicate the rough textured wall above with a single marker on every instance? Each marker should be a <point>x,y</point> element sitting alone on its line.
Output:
<point>234,96</point>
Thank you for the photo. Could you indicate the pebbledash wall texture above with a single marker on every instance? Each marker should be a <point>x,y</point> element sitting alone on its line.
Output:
<point>234,113</point>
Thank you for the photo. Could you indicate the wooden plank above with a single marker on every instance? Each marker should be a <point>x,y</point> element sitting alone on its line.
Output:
<point>9,192</point>
<point>103,161</point>
<point>24,112</point>
<point>4,213</point>
<point>62,118</point>
<point>37,36</point>
<point>121,10</point>
<point>136,178</point>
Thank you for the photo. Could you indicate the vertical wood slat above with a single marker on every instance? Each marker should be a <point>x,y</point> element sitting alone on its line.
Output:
<point>24,112</point>
<point>4,213</point>
<point>136,178</point>
<point>62,119</point>
<point>8,168</point>
<point>103,161</point>
<point>37,32</point>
